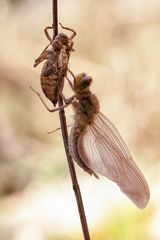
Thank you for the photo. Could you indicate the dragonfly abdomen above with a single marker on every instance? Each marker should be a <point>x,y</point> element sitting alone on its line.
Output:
<point>75,134</point>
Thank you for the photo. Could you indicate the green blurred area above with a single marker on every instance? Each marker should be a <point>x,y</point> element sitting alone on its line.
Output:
<point>117,43</point>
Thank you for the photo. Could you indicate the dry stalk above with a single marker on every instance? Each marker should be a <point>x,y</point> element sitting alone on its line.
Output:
<point>62,117</point>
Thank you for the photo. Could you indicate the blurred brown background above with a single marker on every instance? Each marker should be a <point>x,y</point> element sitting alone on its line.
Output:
<point>118,44</point>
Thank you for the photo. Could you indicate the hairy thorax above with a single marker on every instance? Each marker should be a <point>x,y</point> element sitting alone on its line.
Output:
<point>86,109</point>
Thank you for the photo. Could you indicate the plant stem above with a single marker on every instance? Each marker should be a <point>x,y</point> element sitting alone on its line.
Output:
<point>62,117</point>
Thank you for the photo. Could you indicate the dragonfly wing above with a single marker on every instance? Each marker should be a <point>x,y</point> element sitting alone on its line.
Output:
<point>103,150</point>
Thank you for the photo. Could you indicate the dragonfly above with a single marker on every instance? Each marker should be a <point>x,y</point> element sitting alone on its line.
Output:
<point>56,65</point>
<point>96,145</point>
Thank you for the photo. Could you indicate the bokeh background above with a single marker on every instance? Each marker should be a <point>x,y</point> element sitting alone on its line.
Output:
<point>118,44</point>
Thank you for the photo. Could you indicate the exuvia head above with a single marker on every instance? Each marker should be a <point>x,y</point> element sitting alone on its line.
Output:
<point>62,37</point>
<point>57,44</point>
<point>82,82</point>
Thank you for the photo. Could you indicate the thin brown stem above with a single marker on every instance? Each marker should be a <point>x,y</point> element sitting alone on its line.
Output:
<point>55,17</point>
<point>62,117</point>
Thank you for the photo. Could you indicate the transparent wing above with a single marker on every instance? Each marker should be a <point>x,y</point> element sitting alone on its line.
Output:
<point>104,151</point>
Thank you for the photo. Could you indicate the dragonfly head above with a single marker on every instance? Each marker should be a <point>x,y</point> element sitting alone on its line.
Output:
<point>82,82</point>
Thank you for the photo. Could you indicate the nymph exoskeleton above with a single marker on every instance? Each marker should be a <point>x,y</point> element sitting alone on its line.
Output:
<point>97,147</point>
<point>55,68</point>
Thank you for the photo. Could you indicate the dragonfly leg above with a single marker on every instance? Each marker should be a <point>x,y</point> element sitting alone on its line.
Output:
<point>41,58</point>
<point>57,129</point>
<point>69,29</point>
<point>71,47</point>
<point>72,74</point>
<point>47,34</point>
<point>67,100</point>
<point>50,110</point>
<point>70,83</point>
